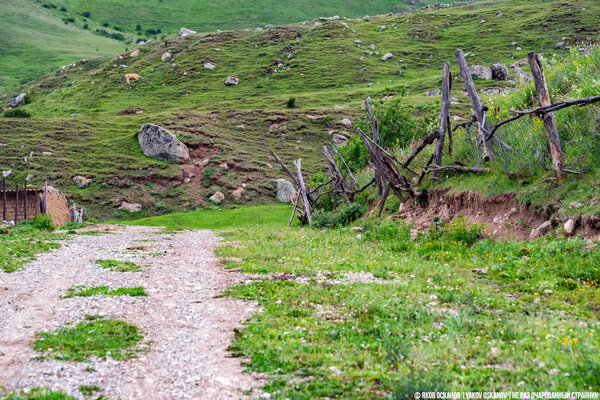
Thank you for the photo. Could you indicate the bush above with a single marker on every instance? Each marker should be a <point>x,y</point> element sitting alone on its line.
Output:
<point>43,222</point>
<point>63,9</point>
<point>460,230</point>
<point>345,215</point>
<point>86,14</point>
<point>291,103</point>
<point>16,113</point>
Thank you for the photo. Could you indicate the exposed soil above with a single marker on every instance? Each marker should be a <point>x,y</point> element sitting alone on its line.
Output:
<point>504,216</point>
<point>186,327</point>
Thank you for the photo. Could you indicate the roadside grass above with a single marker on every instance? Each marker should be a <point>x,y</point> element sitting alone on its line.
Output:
<point>94,337</point>
<point>89,390</point>
<point>457,313</point>
<point>86,291</point>
<point>120,266</point>
<point>217,218</point>
<point>34,394</point>
<point>20,244</point>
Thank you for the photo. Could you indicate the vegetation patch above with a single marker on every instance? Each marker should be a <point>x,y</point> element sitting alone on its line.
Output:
<point>463,314</point>
<point>94,337</point>
<point>86,291</point>
<point>21,243</point>
<point>89,390</point>
<point>120,266</point>
<point>34,394</point>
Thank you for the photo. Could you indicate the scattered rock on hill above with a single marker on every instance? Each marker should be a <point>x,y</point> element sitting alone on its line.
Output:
<point>285,191</point>
<point>232,81</point>
<point>481,72</point>
<point>217,198</point>
<point>135,53</point>
<point>131,207</point>
<point>186,32</point>
<point>522,75</point>
<point>372,46</point>
<point>500,72</point>
<point>560,45</point>
<point>346,122</point>
<point>431,93</point>
<point>382,28</point>
<point>209,66</point>
<point>157,142</point>
<point>540,230</point>
<point>17,100</point>
<point>82,182</point>
<point>339,140</point>
<point>165,57</point>
<point>575,204</point>
<point>569,227</point>
<point>237,193</point>
<point>387,56</point>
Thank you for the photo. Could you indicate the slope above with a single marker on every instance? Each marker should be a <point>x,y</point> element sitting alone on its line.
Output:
<point>34,42</point>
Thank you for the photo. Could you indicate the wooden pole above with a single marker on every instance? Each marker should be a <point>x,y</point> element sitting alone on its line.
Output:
<point>543,94</point>
<point>303,192</point>
<point>4,198</point>
<point>444,116</point>
<point>475,101</point>
<point>45,203</point>
<point>25,200</point>
<point>37,203</point>
<point>17,205</point>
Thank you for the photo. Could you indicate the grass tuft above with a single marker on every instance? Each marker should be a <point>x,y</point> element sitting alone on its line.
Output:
<point>120,266</point>
<point>85,291</point>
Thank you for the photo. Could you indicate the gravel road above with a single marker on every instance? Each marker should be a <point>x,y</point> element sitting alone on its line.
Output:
<point>187,328</point>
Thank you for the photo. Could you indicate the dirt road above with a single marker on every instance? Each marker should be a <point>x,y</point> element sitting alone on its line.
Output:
<point>188,329</point>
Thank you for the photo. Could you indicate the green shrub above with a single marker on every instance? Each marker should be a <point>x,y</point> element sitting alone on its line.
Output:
<point>345,215</point>
<point>16,113</point>
<point>291,102</point>
<point>43,222</point>
<point>86,14</point>
<point>460,230</point>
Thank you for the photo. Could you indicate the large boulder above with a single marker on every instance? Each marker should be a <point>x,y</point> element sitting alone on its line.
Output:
<point>237,193</point>
<point>157,142</point>
<point>186,32</point>
<point>82,182</point>
<point>481,72</point>
<point>500,72</point>
<point>17,100</point>
<point>285,191</point>
<point>131,207</point>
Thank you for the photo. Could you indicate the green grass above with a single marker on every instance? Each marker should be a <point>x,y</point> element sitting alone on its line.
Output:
<point>94,337</point>
<point>20,244</point>
<point>86,291</point>
<point>431,324</point>
<point>120,266</point>
<point>35,42</point>
<point>221,218</point>
<point>89,390</point>
<point>34,394</point>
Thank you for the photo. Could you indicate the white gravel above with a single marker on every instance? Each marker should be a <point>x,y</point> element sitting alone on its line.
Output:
<point>185,326</point>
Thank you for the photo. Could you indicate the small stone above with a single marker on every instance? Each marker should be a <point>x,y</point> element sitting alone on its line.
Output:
<point>232,81</point>
<point>575,204</point>
<point>480,271</point>
<point>387,56</point>
<point>347,123</point>
<point>82,182</point>
<point>135,53</point>
<point>432,93</point>
<point>217,198</point>
<point>237,193</point>
<point>186,32</point>
<point>269,166</point>
<point>165,57</point>
<point>569,227</point>
<point>209,66</point>
<point>357,229</point>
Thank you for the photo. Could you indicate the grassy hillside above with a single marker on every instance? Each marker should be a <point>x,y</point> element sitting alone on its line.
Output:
<point>205,16</point>
<point>34,43</point>
<point>319,66</point>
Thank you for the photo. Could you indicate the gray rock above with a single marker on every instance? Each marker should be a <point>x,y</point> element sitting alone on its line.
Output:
<point>186,32</point>
<point>122,66</point>
<point>131,207</point>
<point>372,46</point>
<point>339,140</point>
<point>387,56</point>
<point>346,122</point>
<point>6,173</point>
<point>575,204</point>
<point>165,57</point>
<point>30,177</point>
<point>209,66</point>
<point>369,53</point>
<point>540,230</point>
<point>382,28</point>
<point>217,198</point>
<point>560,45</point>
<point>157,142</point>
<point>285,191</point>
<point>82,182</point>
<point>569,227</point>
<point>232,81</point>
<point>481,72</point>
<point>522,75</point>
<point>357,41</point>
<point>237,193</point>
<point>432,93</point>
<point>500,72</point>
<point>17,100</point>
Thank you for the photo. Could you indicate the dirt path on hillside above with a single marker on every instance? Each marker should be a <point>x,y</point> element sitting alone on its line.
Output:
<point>187,327</point>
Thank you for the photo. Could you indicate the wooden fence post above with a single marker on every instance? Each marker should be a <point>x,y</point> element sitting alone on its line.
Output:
<point>25,200</point>
<point>541,86</point>
<point>17,205</point>
<point>45,203</point>
<point>37,203</point>
<point>444,116</point>
<point>303,192</point>
<point>4,198</point>
<point>475,102</point>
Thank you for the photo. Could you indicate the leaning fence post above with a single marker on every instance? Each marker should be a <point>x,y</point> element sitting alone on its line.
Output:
<point>444,116</point>
<point>541,86</point>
